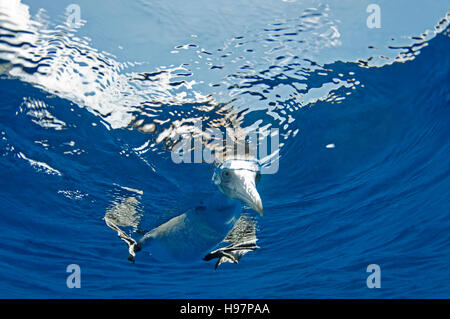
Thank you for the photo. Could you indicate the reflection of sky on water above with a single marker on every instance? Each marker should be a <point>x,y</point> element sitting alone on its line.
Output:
<point>254,65</point>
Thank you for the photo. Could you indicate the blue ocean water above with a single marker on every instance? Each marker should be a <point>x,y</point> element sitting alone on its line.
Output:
<point>364,165</point>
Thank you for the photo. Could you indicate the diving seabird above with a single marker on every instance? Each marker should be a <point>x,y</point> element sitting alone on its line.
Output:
<point>199,231</point>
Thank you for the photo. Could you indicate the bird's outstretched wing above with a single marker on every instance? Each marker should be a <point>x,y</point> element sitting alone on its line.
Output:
<point>243,240</point>
<point>133,246</point>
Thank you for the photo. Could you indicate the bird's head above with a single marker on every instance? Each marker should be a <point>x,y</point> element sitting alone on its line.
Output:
<point>237,178</point>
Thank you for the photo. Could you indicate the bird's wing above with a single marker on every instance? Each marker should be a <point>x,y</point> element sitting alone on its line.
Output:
<point>243,240</point>
<point>243,230</point>
<point>124,215</point>
<point>132,244</point>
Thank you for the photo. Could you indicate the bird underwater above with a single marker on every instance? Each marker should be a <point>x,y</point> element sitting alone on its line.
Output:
<point>196,232</point>
<point>199,232</point>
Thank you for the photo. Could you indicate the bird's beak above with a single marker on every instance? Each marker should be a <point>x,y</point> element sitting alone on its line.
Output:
<point>245,190</point>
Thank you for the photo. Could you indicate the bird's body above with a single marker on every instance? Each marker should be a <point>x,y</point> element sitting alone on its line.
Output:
<point>194,233</point>
<point>198,231</point>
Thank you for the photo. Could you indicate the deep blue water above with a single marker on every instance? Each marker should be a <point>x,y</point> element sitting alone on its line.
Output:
<point>379,196</point>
